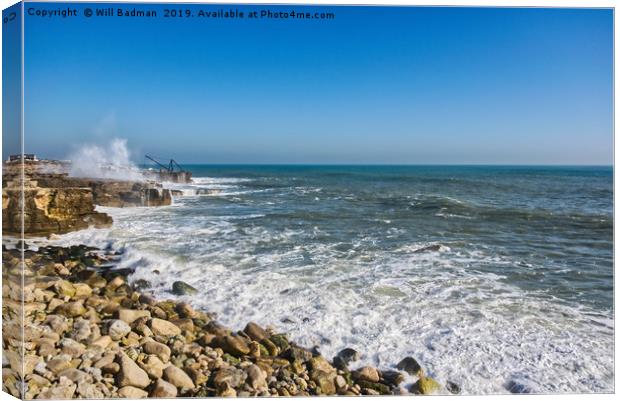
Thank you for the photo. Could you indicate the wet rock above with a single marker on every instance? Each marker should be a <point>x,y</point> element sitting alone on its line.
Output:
<point>185,310</point>
<point>255,332</point>
<point>349,355</point>
<point>425,385</point>
<point>367,373</point>
<point>255,349</point>
<point>163,389</point>
<point>517,388</point>
<point>325,381</point>
<point>271,348</point>
<point>130,373</point>
<point>323,374</point>
<point>164,328</point>
<point>234,345</point>
<point>297,353</point>
<point>216,329</point>
<point>320,363</point>
<point>379,388</point>
<point>181,288</point>
<point>453,387</point>
<point>115,283</point>
<point>392,377</point>
<point>409,365</point>
<point>339,363</point>
<point>141,284</point>
<point>147,299</point>
<point>429,248</point>
<point>280,341</point>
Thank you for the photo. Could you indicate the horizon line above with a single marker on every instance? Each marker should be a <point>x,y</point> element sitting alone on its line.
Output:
<point>397,164</point>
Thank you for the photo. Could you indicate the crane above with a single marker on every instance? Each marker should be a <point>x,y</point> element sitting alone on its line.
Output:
<point>169,168</point>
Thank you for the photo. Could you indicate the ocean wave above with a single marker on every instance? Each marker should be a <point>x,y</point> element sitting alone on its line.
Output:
<point>464,326</point>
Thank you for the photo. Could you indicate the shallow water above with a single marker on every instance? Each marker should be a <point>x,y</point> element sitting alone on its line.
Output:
<point>518,289</point>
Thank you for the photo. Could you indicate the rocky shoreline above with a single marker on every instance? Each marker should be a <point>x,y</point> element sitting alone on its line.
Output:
<point>88,333</point>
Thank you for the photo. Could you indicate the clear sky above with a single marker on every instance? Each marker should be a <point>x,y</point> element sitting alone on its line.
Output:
<point>374,85</point>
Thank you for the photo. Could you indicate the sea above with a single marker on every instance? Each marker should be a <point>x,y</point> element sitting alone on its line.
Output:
<point>496,278</point>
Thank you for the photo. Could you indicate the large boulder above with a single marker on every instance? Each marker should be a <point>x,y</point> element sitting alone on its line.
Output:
<point>182,288</point>
<point>409,365</point>
<point>255,332</point>
<point>425,385</point>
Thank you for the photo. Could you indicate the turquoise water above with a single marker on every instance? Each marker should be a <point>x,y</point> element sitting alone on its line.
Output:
<point>497,278</point>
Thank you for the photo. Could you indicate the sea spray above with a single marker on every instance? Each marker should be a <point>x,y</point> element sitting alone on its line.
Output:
<point>112,161</point>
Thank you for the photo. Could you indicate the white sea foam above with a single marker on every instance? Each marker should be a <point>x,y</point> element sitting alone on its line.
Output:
<point>112,160</point>
<point>462,324</point>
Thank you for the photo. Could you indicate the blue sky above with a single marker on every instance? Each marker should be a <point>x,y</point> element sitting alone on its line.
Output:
<point>374,85</point>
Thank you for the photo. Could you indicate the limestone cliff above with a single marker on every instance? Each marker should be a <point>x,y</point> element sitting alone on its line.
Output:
<point>49,210</point>
<point>57,203</point>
